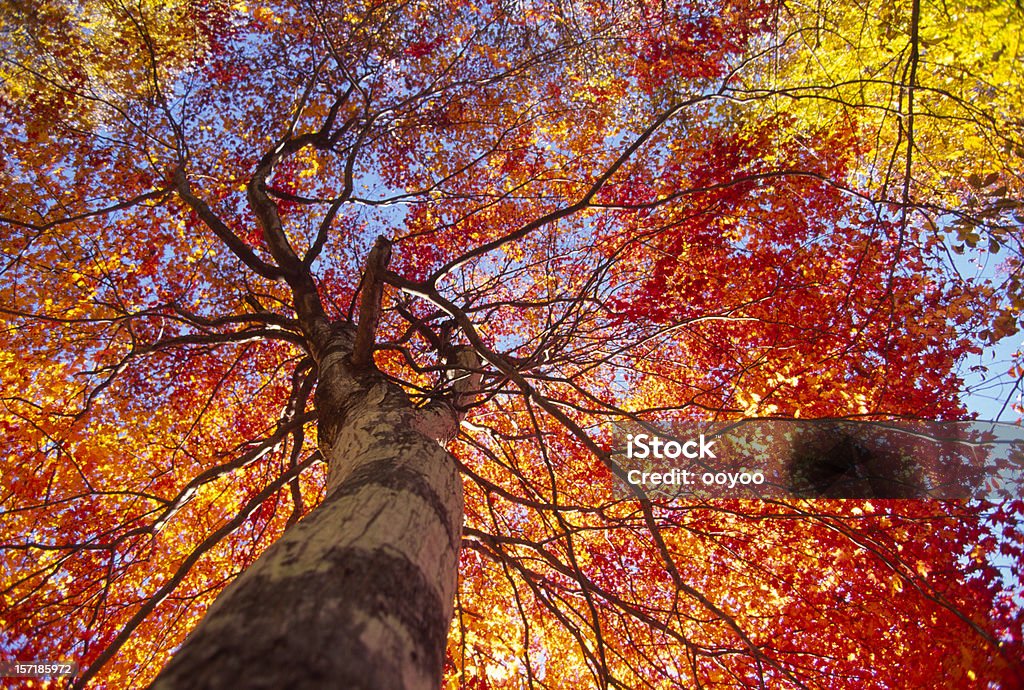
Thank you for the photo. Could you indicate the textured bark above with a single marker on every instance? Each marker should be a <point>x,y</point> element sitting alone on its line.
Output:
<point>360,593</point>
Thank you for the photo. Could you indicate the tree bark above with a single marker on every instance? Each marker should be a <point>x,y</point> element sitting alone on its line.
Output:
<point>359,594</point>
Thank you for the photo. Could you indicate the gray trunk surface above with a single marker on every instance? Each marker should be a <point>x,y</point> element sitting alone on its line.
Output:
<point>359,594</point>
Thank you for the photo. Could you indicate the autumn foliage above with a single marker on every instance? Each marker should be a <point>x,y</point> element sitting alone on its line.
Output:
<point>652,211</point>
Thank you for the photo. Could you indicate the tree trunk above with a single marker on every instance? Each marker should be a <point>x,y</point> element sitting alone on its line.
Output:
<point>359,594</point>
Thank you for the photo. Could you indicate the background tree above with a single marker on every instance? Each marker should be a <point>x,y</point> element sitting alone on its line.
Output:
<point>259,261</point>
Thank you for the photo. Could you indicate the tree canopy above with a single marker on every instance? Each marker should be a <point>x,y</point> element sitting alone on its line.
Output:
<point>646,211</point>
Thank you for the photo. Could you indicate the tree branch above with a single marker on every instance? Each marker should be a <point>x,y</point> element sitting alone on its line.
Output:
<point>369,306</point>
<point>186,567</point>
<point>222,231</point>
